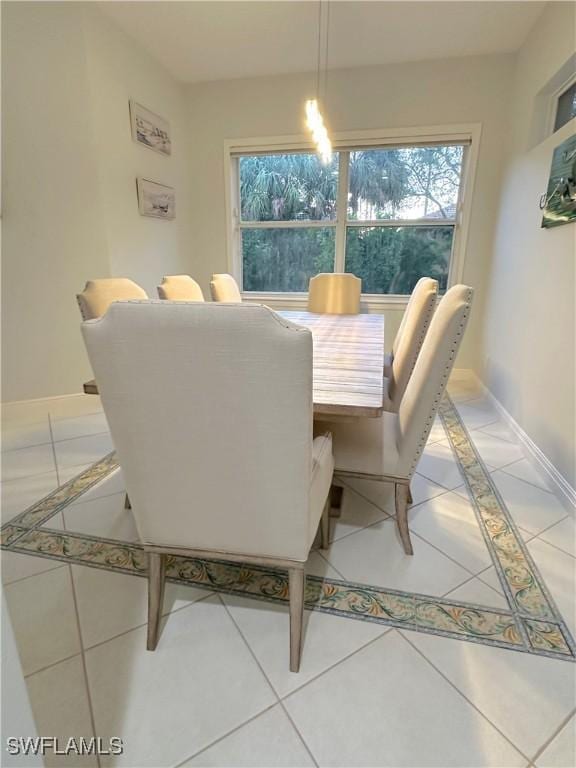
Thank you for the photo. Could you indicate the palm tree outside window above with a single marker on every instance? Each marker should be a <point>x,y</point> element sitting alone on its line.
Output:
<point>394,224</point>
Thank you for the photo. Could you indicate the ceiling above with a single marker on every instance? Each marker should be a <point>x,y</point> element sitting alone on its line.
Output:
<point>200,41</point>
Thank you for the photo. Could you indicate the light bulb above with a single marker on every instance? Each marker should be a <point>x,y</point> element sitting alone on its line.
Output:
<point>315,124</point>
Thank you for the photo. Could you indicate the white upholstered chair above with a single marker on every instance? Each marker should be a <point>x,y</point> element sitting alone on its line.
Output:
<point>224,288</point>
<point>417,315</point>
<point>216,446</point>
<point>99,294</point>
<point>400,363</point>
<point>389,448</point>
<point>334,293</point>
<point>180,288</point>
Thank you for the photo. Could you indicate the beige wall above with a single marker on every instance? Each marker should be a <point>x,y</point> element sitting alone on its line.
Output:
<point>69,196</point>
<point>52,234</point>
<point>529,333</point>
<point>430,93</point>
<point>139,247</point>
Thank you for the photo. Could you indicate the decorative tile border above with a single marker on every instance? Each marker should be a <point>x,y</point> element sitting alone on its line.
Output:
<point>540,621</point>
<point>359,601</point>
<point>41,511</point>
<point>532,624</point>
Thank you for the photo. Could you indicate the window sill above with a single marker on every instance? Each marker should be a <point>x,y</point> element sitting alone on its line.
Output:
<point>369,302</point>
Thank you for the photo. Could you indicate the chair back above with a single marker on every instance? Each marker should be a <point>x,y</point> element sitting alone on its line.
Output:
<point>180,288</point>
<point>410,336</point>
<point>422,288</point>
<point>210,410</point>
<point>224,288</point>
<point>334,293</point>
<point>99,294</point>
<point>430,376</point>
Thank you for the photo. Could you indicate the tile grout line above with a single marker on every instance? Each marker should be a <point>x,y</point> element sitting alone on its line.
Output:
<point>83,659</point>
<point>94,498</point>
<point>51,666</point>
<point>25,447</point>
<point>163,620</point>
<point>358,493</point>
<point>412,506</point>
<point>52,439</point>
<point>337,663</point>
<point>115,637</point>
<point>359,530</point>
<point>434,546</point>
<point>5,585</point>
<point>446,489</point>
<point>54,451</point>
<point>472,578</point>
<point>341,575</point>
<point>463,695</point>
<point>504,439</point>
<point>83,437</point>
<point>415,533</point>
<point>225,735</point>
<point>504,469</point>
<point>549,543</point>
<point>81,639</point>
<point>275,693</point>
<point>556,733</point>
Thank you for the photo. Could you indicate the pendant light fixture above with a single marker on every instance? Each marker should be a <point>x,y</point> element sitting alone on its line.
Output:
<point>314,119</point>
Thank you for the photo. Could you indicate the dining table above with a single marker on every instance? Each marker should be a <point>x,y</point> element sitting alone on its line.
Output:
<point>348,362</point>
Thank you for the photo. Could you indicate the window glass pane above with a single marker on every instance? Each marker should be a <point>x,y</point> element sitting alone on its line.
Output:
<point>393,259</point>
<point>566,109</point>
<point>285,259</point>
<point>404,183</point>
<point>287,188</point>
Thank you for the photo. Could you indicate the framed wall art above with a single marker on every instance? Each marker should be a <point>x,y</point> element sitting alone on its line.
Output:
<point>150,129</point>
<point>559,202</point>
<point>155,199</point>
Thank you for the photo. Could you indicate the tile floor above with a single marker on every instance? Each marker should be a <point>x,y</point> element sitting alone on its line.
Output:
<point>217,692</point>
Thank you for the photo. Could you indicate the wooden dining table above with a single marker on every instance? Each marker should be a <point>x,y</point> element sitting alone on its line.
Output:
<point>348,362</point>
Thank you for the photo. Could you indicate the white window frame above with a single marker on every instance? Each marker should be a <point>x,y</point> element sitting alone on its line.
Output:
<point>554,99</point>
<point>468,134</point>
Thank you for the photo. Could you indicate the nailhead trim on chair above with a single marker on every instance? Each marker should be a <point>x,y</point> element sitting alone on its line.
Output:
<point>440,392</point>
<point>81,308</point>
<point>425,330</point>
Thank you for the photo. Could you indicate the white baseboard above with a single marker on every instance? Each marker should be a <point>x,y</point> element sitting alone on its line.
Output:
<point>538,456</point>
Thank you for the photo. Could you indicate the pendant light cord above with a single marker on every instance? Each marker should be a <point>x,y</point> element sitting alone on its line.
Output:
<point>322,66</point>
<point>325,95</point>
<point>319,49</point>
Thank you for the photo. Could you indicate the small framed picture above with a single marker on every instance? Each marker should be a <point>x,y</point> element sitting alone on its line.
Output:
<point>559,202</point>
<point>150,129</point>
<point>155,199</point>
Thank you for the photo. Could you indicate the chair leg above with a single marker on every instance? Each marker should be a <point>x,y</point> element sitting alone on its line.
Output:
<point>410,499</point>
<point>336,493</point>
<point>401,494</point>
<point>325,526</point>
<point>156,581</point>
<point>296,587</point>
<point>127,504</point>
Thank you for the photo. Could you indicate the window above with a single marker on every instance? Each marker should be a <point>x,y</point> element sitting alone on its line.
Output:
<point>288,220</point>
<point>387,214</point>
<point>565,106</point>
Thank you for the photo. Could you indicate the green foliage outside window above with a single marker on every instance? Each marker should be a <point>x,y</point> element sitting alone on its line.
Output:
<point>384,184</point>
<point>393,259</point>
<point>285,259</point>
